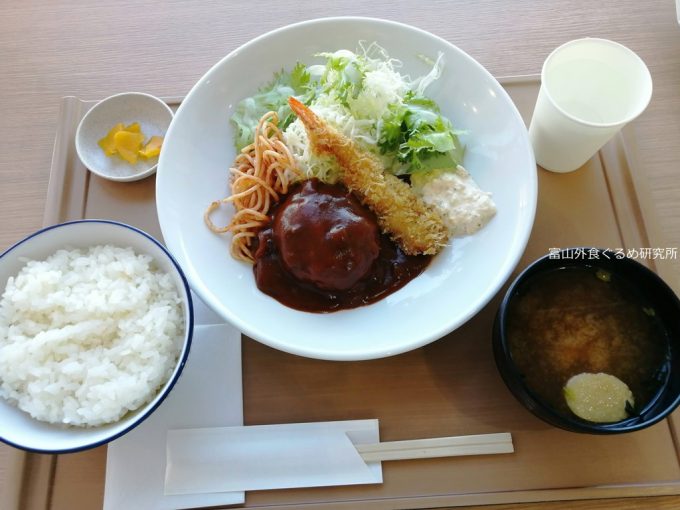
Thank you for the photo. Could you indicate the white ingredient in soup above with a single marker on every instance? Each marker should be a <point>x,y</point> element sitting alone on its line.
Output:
<point>88,335</point>
<point>463,206</point>
<point>600,398</point>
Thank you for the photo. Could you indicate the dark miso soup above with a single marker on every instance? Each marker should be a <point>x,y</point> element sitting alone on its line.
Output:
<point>585,319</point>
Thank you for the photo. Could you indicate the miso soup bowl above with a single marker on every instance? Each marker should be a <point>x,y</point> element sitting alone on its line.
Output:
<point>655,291</point>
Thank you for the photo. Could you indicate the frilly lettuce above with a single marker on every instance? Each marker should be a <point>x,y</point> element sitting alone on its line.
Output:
<point>273,97</point>
<point>406,129</point>
<point>420,136</point>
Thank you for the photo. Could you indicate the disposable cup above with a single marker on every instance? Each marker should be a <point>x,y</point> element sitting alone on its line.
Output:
<point>590,89</point>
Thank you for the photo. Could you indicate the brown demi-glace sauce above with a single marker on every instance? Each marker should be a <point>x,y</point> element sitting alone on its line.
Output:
<point>323,252</point>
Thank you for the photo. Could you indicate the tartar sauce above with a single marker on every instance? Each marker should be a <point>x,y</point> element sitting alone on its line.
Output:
<point>464,207</point>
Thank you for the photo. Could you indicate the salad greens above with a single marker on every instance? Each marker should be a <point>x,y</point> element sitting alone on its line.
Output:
<point>273,97</point>
<point>422,138</point>
<point>363,95</point>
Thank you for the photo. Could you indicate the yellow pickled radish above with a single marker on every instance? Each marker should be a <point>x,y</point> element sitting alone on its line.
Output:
<point>128,144</point>
<point>134,128</point>
<point>107,143</point>
<point>152,147</point>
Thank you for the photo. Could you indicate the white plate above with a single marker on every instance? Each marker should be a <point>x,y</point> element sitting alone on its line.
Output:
<point>198,150</point>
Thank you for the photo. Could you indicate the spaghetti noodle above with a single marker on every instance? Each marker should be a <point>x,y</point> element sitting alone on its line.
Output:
<point>262,172</point>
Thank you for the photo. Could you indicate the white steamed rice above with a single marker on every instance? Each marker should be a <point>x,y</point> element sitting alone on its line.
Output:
<point>88,335</point>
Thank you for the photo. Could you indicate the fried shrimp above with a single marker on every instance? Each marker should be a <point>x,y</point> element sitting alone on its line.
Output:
<point>411,223</point>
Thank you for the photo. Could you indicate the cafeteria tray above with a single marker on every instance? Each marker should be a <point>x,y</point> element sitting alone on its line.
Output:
<point>450,387</point>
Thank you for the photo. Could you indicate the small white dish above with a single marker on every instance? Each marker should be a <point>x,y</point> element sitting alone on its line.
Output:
<point>154,117</point>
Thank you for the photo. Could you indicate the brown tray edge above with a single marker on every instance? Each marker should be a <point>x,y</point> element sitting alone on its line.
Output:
<point>492,498</point>
<point>633,191</point>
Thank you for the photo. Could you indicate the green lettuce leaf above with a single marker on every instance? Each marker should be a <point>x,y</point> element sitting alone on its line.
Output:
<point>422,138</point>
<point>343,76</point>
<point>272,97</point>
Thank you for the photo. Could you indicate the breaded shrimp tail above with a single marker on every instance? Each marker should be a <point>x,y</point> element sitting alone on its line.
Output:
<point>411,223</point>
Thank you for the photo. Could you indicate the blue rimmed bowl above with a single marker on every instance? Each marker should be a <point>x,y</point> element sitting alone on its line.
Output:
<point>18,428</point>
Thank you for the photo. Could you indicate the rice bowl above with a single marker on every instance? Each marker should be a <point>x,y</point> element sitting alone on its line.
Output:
<point>94,332</point>
<point>62,317</point>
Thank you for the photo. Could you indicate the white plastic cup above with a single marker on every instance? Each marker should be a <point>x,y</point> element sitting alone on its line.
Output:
<point>590,89</point>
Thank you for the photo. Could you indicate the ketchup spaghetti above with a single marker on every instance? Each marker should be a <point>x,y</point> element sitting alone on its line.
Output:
<point>262,172</point>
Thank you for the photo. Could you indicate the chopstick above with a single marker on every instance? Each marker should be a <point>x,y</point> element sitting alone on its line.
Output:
<point>480,444</point>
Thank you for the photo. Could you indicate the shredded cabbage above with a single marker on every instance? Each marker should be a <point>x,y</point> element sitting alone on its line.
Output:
<point>363,95</point>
